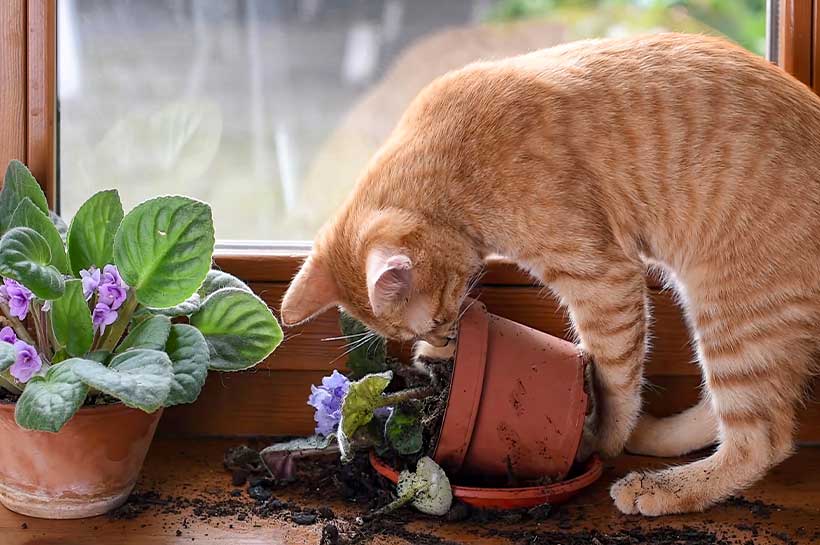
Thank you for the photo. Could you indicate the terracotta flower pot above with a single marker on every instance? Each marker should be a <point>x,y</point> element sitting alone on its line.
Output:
<point>516,411</point>
<point>86,469</point>
<point>517,402</point>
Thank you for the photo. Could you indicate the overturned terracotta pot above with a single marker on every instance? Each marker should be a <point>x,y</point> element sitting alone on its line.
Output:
<point>86,469</point>
<point>515,414</point>
<point>517,402</point>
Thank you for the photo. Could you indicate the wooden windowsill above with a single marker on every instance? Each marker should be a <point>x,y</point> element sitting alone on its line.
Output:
<point>193,469</point>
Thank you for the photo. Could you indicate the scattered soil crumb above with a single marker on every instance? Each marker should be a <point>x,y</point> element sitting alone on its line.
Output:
<point>756,507</point>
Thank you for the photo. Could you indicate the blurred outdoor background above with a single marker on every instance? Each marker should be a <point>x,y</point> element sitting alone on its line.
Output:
<point>269,109</point>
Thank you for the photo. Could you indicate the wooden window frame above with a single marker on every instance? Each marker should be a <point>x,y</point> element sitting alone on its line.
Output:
<point>272,397</point>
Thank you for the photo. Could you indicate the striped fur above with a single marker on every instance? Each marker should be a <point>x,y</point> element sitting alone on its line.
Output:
<point>585,163</point>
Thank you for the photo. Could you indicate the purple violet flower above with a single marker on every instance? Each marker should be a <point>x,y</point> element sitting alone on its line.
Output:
<point>7,335</point>
<point>91,281</point>
<point>111,275</point>
<point>112,290</point>
<point>27,364</point>
<point>103,316</point>
<point>112,295</point>
<point>327,400</point>
<point>17,296</point>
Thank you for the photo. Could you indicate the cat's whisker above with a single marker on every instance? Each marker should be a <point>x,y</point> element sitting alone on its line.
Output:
<point>343,337</point>
<point>357,344</point>
<point>465,309</point>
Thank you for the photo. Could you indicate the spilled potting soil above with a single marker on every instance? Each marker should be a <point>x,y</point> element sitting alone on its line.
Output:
<point>334,499</point>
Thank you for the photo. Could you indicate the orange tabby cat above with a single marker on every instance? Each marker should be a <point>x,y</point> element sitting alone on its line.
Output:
<point>584,164</point>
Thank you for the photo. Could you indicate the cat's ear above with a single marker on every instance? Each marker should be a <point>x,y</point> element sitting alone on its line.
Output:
<point>311,292</point>
<point>389,279</point>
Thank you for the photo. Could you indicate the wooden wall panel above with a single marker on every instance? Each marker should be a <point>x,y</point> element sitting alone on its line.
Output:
<point>12,81</point>
<point>267,402</point>
<point>270,400</point>
<point>306,349</point>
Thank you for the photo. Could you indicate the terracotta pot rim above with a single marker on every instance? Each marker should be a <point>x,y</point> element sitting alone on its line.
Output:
<point>469,366</point>
<point>535,495</point>
<point>119,406</point>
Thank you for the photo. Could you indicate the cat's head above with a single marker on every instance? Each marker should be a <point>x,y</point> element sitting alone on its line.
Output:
<point>399,272</point>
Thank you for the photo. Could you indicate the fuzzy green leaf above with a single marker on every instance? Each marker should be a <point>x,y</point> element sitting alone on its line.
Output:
<point>185,308</point>
<point>28,215</point>
<point>189,356</point>
<point>7,356</point>
<point>90,238</point>
<point>370,356</point>
<point>428,486</point>
<point>19,184</point>
<point>141,379</point>
<point>25,257</point>
<point>71,320</point>
<point>361,401</point>
<point>49,402</point>
<point>404,430</point>
<point>163,249</point>
<point>240,329</point>
<point>216,280</point>
<point>150,334</point>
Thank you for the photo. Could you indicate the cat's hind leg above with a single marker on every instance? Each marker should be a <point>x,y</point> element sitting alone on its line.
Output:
<point>688,431</point>
<point>755,382</point>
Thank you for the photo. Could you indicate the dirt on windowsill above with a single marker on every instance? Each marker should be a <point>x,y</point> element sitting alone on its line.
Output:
<point>249,495</point>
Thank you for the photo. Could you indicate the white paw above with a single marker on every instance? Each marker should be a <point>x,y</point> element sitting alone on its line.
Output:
<point>656,493</point>
<point>423,349</point>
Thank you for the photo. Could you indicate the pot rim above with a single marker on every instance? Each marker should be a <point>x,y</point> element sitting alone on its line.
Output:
<point>468,378</point>
<point>592,470</point>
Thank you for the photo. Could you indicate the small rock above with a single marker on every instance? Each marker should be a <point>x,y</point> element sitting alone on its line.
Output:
<point>179,533</point>
<point>236,493</point>
<point>330,535</point>
<point>260,492</point>
<point>241,517</point>
<point>304,519</point>
<point>24,526</point>
<point>540,512</point>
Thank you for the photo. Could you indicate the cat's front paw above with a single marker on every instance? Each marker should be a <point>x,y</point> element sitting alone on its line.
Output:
<point>642,493</point>
<point>426,351</point>
<point>655,493</point>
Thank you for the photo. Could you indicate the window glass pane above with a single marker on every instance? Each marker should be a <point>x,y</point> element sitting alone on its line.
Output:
<point>269,109</point>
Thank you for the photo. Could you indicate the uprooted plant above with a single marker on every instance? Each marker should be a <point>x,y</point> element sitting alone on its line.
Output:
<point>381,406</point>
<point>121,306</point>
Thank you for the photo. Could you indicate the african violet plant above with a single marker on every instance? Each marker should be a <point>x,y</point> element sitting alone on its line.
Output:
<point>358,413</point>
<point>121,305</point>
